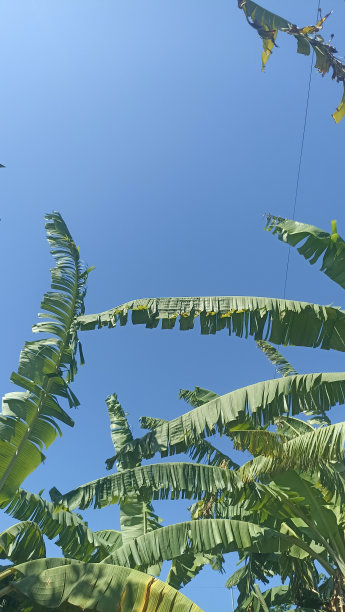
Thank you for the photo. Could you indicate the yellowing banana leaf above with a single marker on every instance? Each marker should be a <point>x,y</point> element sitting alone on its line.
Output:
<point>268,46</point>
<point>339,114</point>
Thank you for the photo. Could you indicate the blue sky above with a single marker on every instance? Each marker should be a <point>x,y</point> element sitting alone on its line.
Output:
<point>151,128</point>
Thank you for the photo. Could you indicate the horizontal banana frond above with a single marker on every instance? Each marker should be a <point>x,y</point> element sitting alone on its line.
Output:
<point>29,419</point>
<point>209,536</point>
<point>259,404</point>
<point>51,583</point>
<point>160,481</point>
<point>22,542</point>
<point>308,38</point>
<point>282,366</point>
<point>53,520</point>
<point>198,450</point>
<point>316,244</point>
<point>279,321</point>
<point>304,453</point>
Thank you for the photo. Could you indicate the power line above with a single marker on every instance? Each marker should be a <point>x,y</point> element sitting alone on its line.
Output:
<point>301,153</point>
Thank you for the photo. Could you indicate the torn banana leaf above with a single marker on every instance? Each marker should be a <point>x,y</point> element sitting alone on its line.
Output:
<point>267,25</point>
<point>285,322</point>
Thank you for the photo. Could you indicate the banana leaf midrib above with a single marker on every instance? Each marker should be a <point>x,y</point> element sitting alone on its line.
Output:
<point>45,388</point>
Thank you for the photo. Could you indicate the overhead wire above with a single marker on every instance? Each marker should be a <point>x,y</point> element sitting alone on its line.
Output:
<point>301,154</point>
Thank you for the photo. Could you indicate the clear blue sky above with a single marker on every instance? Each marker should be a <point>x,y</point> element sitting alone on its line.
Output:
<point>150,127</point>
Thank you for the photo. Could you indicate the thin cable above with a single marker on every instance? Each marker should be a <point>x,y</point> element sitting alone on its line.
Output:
<point>301,154</point>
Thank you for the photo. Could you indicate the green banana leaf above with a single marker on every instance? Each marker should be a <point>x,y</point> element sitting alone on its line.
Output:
<point>93,586</point>
<point>316,243</point>
<point>206,536</point>
<point>22,541</point>
<point>282,366</point>
<point>75,538</point>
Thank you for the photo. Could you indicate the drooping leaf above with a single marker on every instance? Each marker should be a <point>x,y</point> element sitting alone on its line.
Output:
<point>29,419</point>
<point>325,518</point>
<point>96,586</point>
<point>315,244</point>
<point>278,321</point>
<point>21,542</point>
<point>339,114</point>
<point>75,538</point>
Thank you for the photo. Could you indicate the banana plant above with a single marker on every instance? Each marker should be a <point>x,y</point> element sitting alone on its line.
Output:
<point>243,416</point>
<point>234,494</point>
<point>229,493</point>
<point>137,517</point>
<point>29,420</point>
